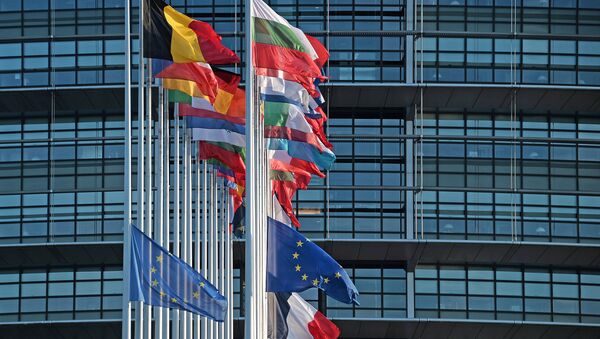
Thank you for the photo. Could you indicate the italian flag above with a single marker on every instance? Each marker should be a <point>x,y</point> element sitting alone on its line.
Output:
<point>295,318</point>
<point>280,46</point>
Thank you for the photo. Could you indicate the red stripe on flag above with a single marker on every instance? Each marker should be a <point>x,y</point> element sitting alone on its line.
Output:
<point>212,49</point>
<point>285,190</point>
<point>187,110</point>
<point>203,77</point>
<point>231,159</point>
<point>283,132</point>
<point>285,59</point>
<point>323,328</point>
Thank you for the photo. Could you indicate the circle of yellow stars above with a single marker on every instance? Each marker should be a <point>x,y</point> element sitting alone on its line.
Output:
<point>304,277</point>
<point>154,283</point>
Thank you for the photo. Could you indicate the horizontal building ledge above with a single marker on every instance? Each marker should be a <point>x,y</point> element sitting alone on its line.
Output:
<point>471,97</point>
<point>392,253</point>
<point>89,329</point>
<point>463,329</point>
<point>345,95</point>
<point>61,254</point>
<point>409,253</point>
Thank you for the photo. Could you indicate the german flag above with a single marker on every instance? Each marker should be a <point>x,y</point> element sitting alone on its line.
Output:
<point>171,35</point>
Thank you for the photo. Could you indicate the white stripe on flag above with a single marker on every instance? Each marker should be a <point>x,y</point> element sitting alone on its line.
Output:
<point>301,314</point>
<point>263,11</point>
<point>289,89</point>
<point>219,135</point>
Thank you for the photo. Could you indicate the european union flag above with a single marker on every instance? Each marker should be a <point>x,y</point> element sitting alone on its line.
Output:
<point>158,278</point>
<point>295,264</point>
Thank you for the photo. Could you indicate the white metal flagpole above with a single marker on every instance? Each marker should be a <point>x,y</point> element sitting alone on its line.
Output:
<point>148,182</point>
<point>204,235</point>
<point>158,225</point>
<point>184,221</point>
<point>166,198</point>
<point>126,317</point>
<point>250,316</point>
<point>196,253</point>
<point>139,310</point>
<point>176,188</point>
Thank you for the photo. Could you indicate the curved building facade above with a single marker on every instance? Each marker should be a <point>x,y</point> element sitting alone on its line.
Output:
<point>465,201</point>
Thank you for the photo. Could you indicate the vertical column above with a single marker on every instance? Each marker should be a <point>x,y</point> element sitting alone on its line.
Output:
<point>126,315</point>
<point>409,204</point>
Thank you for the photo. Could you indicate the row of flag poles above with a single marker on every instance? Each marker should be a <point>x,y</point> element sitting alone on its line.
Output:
<point>239,156</point>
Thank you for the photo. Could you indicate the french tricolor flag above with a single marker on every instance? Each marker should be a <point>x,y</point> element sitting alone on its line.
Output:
<point>294,318</point>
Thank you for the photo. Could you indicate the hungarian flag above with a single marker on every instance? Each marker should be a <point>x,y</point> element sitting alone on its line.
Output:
<point>171,35</point>
<point>230,155</point>
<point>278,45</point>
<point>296,318</point>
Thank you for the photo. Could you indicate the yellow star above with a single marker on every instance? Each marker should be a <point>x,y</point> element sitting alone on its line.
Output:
<point>315,282</point>
<point>299,243</point>
<point>304,277</point>
<point>154,283</point>
<point>298,267</point>
<point>159,258</point>
<point>173,300</point>
<point>162,294</point>
<point>202,284</point>
<point>326,280</point>
<point>338,275</point>
<point>295,255</point>
<point>196,295</point>
<point>153,269</point>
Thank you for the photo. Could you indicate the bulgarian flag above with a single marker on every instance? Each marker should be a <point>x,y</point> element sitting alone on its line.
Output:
<point>279,45</point>
<point>296,318</point>
<point>171,35</point>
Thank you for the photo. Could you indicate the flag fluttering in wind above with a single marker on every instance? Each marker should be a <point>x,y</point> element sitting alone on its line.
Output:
<point>295,264</point>
<point>293,317</point>
<point>171,35</point>
<point>158,278</point>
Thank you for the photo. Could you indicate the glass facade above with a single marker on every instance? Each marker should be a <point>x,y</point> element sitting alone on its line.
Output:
<point>450,173</point>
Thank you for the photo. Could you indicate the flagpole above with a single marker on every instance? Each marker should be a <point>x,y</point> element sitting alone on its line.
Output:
<point>211,244</point>
<point>158,225</point>
<point>139,310</point>
<point>167,197</point>
<point>214,226</point>
<point>204,235</point>
<point>176,188</point>
<point>197,257</point>
<point>148,182</point>
<point>188,141</point>
<point>222,252</point>
<point>250,316</point>
<point>126,313</point>
<point>184,221</point>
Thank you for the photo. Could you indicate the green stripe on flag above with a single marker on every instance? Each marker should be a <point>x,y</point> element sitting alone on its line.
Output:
<point>229,147</point>
<point>276,113</point>
<point>273,33</point>
<point>281,176</point>
<point>180,97</point>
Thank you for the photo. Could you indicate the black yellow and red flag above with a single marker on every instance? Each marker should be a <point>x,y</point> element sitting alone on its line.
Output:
<point>171,35</point>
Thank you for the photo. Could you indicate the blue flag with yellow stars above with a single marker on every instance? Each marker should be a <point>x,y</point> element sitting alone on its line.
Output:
<point>295,264</point>
<point>158,278</point>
